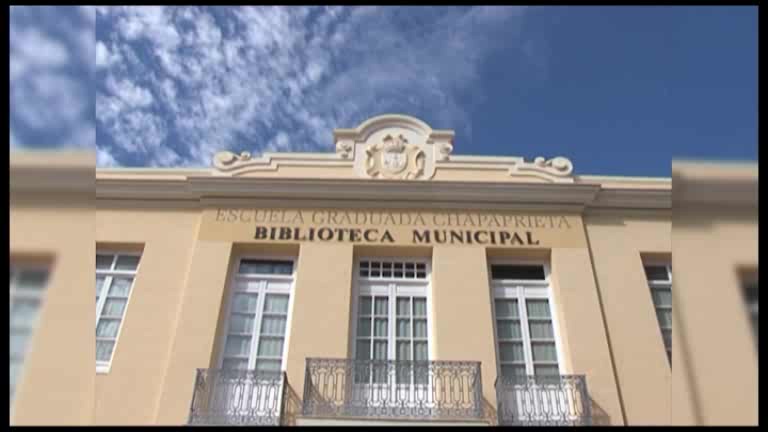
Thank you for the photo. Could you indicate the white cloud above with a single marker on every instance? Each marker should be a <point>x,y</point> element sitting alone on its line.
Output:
<point>139,132</point>
<point>133,95</point>
<point>102,54</point>
<point>286,78</point>
<point>104,158</point>
<point>48,99</point>
<point>37,49</point>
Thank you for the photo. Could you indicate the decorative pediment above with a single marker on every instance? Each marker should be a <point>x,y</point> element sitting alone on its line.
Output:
<point>395,147</point>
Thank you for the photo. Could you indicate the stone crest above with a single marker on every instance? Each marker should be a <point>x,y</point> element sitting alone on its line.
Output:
<point>394,158</point>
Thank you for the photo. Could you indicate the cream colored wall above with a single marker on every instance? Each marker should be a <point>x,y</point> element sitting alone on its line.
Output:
<point>582,331</point>
<point>715,361</point>
<point>195,330</point>
<point>462,323</point>
<point>320,316</point>
<point>57,380</point>
<point>617,240</point>
<point>175,317</point>
<point>129,392</point>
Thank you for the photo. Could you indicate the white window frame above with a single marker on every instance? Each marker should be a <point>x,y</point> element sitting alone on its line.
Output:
<point>15,293</point>
<point>523,290</point>
<point>662,284</point>
<point>103,367</point>
<point>392,291</point>
<point>262,293</point>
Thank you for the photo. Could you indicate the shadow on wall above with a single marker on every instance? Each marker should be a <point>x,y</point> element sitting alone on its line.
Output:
<point>292,407</point>
<point>489,413</point>
<point>599,416</point>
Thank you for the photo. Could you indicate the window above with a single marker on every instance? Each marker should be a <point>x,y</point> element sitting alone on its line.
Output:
<point>750,298</point>
<point>115,273</point>
<point>27,287</point>
<point>392,318</point>
<point>258,315</point>
<point>525,331</point>
<point>660,281</point>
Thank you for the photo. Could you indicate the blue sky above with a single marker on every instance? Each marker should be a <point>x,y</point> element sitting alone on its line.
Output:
<point>618,90</point>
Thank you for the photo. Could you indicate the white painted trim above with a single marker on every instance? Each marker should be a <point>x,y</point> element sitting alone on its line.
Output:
<point>521,290</point>
<point>391,292</point>
<point>103,367</point>
<point>259,315</point>
<point>40,297</point>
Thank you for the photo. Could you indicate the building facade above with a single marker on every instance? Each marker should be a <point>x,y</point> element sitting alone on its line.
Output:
<point>390,282</point>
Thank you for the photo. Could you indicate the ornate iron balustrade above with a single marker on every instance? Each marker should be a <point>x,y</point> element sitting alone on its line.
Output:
<point>238,397</point>
<point>392,389</point>
<point>543,400</point>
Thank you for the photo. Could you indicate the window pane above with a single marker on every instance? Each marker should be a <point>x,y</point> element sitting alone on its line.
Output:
<point>23,312</point>
<point>276,303</point>
<point>386,269</point>
<point>506,308</point>
<point>667,336</point>
<point>655,273</point>
<point>509,329</point>
<point>420,307</point>
<point>513,371</point>
<point>273,326</point>
<point>364,327</point>
<point>511,351</point>
<point>99,284</point>
<point>403,306</point>
<point>31,280</point>
<point>665,317</point>
<point>661,297</point>
<point>380,327</point>
<point>420,351</point>
<point>365,305</point>
<point>233,364</point>
<point>270,347</point>
<point>15,372</point>
<point>104,262</point>
<point>18,343</point>
<point>547,371</point>
<point>403,351</point>
<point>544,351</point>
<point>113,307</point>
<point>245,302</point>
<point>517,272</point>
<point>120,287</point>
<point>380,350</point>
<point>107,328</point>
<point>238,345</point>
<point>404,327</point>
<point>538,309</point>
<point>127,262</point>
<point>382,306</point>
<point>241,323</point>
<point>420,328</point>
<point>249,266</point>
<point>541,330</point>
<point>268,366</point>
<point>363,350</point>
<point>104,350</point>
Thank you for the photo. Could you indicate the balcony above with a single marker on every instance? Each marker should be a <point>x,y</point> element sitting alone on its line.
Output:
<point>392,390</point>
<point>238,397</point>
<point>560,400</point>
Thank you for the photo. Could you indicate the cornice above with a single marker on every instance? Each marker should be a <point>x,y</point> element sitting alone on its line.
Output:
<point>244,190</point>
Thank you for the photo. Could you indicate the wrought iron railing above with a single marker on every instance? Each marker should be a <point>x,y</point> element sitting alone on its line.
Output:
<point>543,400</point>
<point>392,389</point>
<point>238,397</point>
